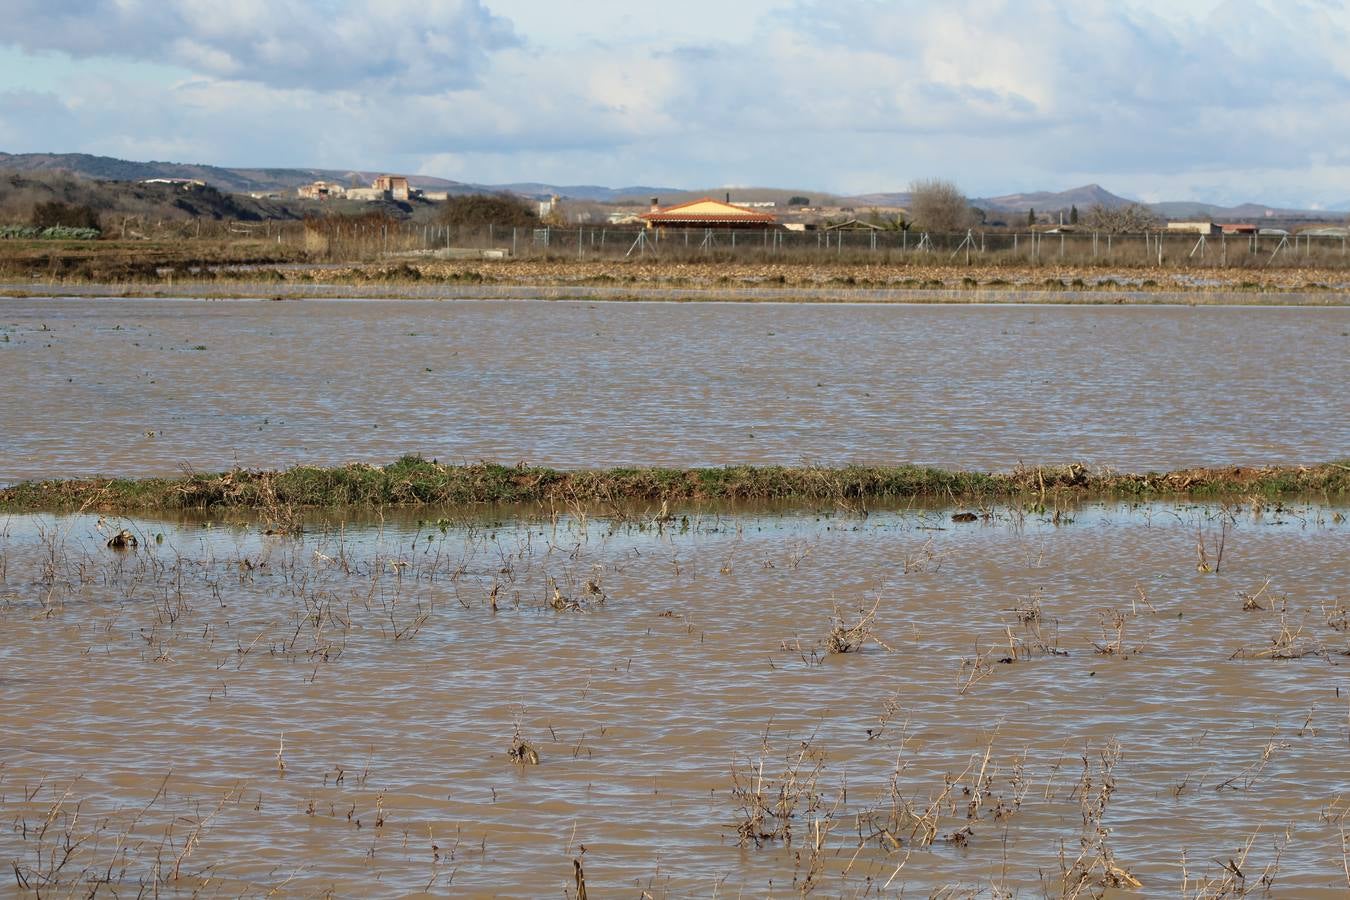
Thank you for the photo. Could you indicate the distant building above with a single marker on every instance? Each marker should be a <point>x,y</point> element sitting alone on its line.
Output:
<point>705,213</point>
<point>1192,228</point>
<point>185,183</point>
<point>368,195</point>
<point>854,225</point>
<point>395,185</point>
<point>1239,228</point>
<point>322,190</point>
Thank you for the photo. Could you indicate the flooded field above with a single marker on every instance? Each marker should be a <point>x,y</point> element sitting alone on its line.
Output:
<point>724,704</point>
<point>146,387</point>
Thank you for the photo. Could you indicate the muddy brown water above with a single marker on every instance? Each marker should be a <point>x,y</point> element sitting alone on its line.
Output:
<point>146,387</point>
<point>152,691</point>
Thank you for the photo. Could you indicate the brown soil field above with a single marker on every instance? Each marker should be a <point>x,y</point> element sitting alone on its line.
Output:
<point>645,273</point>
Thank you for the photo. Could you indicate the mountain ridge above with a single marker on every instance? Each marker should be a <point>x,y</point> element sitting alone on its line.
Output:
<point>265,179</point>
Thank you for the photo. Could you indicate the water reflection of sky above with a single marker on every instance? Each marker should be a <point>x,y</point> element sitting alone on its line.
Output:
<point>577,385</point>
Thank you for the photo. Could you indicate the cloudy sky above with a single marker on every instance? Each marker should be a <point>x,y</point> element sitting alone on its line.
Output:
<point>1220,100</point>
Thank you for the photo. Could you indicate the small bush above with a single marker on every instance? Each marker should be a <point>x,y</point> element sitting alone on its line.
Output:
<point>56,214</point>
<point>488,209</point>
<point>52,233</point>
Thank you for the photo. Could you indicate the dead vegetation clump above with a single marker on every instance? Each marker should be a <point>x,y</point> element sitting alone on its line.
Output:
<point>123,540</point>
<point>521,752</point>
<point>851,635</point>
<point>985,795</point>
<point>1033,641</point>
<point>774,804</point>
<point>1338,616</point>
<point>1289,642</point>
<point>1236,875</point>
<point>71,850</point>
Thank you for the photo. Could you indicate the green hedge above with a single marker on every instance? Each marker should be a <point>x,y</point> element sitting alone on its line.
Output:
<point>54,233</point>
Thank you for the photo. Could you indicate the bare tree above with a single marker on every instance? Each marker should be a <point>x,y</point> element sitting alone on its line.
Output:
<point>488,209</point>
<point>1133,218</point>
<point>939,205</point>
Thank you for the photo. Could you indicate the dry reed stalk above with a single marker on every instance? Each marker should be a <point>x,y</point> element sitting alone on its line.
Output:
<point>1235,878</point>
<point>769,806</point>
<point>1095,868</point>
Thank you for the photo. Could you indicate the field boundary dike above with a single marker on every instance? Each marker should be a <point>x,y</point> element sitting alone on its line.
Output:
<point>414,481</point>
<point>255,269</point>
<point>1010,294</point>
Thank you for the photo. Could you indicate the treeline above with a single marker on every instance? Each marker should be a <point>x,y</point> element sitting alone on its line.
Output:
<point>471,209</point>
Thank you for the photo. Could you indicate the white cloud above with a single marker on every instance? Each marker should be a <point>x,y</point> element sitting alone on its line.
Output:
<point>402,45</point>
<point>1224,100</point>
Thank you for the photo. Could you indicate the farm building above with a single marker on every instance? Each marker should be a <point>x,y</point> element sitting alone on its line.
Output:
<point>321,190</point>
<point>1192,228</point>
<point>396,185</point>
<point>853,225</point>
<point>706,213</point>
<point>367,195</point>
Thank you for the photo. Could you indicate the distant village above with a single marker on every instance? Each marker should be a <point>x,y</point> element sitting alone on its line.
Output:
<point>701,213</point>
<point>384,187</point>
<point>796,214</point>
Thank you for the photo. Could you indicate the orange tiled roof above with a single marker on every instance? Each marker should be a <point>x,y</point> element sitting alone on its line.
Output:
<point>707,210</point>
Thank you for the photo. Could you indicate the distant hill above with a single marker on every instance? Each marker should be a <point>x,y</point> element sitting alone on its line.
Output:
<point>263,179</point>
<point>115,201</point>
<point>19,193</point>
<point>780,196</point>
<point>1255,212</point>
<point>1089,195</point>
<point>592,192</point>
<point>898,198</point>
<point>241,181</point>
<point>1085,197</point>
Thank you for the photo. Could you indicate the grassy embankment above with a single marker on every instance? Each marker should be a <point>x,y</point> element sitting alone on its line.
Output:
<point>414,481</point>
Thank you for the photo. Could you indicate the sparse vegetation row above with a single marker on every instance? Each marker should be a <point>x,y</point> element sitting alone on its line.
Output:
<point>415,481</point>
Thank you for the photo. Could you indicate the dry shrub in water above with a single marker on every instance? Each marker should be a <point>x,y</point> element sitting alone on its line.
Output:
<point>521,752</point>
<point>771,806</point>
<point>851,636</point>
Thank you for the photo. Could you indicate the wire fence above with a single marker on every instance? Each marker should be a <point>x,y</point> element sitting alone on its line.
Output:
<point>878,247</point>
<point>368,240</point>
